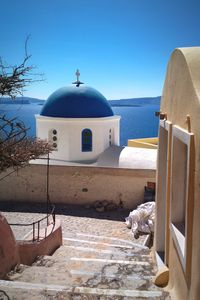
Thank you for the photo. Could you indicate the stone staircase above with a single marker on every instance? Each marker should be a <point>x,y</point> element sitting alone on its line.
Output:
<point>87,267</point>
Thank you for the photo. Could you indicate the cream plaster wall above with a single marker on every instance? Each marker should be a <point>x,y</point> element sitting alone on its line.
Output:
<point>69,135</point>
<point>77,185</point>
<point>181,97</point>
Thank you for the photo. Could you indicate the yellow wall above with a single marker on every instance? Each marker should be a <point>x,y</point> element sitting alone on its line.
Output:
<point>150,143</point>
<point>181,97</point>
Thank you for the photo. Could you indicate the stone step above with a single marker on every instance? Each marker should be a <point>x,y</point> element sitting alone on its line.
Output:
<point>89,267</point>
<point>75,278</point>
<point>98,252</point>
<point>100,240</point>
<point>69,270</point>
<point>24,290</point>
<point>104,245</point>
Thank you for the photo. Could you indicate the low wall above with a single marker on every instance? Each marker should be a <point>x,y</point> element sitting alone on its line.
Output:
<point>77,185</point>
<point>14,252</point>
<point>28,251</point>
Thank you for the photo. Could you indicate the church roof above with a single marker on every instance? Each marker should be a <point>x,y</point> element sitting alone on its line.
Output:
<point>78,101</point>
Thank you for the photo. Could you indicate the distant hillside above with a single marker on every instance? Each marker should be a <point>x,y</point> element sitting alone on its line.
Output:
<point>121,102</point>
<point>136,101</point>
<point>20,100</point>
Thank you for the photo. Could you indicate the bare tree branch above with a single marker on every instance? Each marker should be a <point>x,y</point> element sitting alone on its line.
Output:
<point>15,148</point>
<point>13,79</point>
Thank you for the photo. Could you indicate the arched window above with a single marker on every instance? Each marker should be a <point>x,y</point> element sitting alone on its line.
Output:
<point>86,140</point>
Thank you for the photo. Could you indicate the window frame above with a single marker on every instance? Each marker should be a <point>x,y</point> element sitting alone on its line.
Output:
<point>162,242</point>
<point>183,243</point>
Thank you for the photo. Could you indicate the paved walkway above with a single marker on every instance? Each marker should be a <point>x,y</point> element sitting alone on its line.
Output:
<point>75,219</point>
<point>99,260</point>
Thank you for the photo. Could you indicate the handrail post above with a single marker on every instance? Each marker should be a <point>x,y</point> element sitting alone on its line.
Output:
<point>38,231</point>
<point>54,217</point>
<point>33,232</point>
<point>47,187</point>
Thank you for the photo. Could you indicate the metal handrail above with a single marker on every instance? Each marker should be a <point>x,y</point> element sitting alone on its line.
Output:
<point>36,237</point>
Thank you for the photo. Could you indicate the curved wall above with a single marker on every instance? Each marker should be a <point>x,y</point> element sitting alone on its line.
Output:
<point>69,135</point>
<point>181,102</point>
<point>9,255</point>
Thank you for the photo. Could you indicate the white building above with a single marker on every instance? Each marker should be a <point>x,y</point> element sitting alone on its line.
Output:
<point>79,122</point>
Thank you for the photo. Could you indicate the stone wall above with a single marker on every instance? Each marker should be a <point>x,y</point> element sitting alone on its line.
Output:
<point>77,185</point>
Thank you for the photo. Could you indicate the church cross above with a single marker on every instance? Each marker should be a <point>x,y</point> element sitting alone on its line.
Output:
<point>77,82</point>
<point>77,74</point>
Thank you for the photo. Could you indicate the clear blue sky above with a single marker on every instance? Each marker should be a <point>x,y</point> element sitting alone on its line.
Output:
<point>120,46</point>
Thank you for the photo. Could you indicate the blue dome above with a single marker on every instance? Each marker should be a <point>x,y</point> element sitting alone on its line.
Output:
<point>76,102</point>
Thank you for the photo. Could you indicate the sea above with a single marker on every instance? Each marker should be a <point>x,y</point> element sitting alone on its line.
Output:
<point>136,121</point>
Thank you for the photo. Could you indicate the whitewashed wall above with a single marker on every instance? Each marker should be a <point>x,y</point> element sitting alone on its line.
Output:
<point>69,133</point>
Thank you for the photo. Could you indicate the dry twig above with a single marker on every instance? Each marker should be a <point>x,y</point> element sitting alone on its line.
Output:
<point>16,149</point>
<point>13,79</point>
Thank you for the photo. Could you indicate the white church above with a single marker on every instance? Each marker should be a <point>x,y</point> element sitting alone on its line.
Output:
<point>79,122</point>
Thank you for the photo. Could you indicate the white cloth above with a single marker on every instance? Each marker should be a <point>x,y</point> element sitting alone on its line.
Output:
<point>142,218</point>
